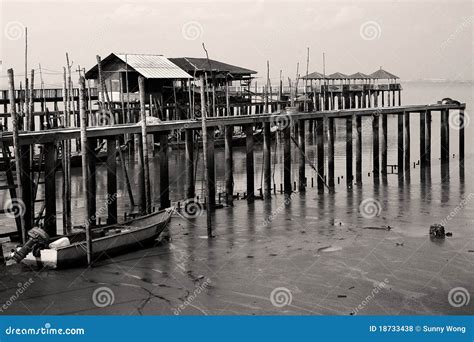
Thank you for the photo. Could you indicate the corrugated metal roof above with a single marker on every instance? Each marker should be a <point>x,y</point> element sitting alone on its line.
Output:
<point>314,76</point>
<point>153,66</point>
<point>191,64</point>
<point>382,75</point>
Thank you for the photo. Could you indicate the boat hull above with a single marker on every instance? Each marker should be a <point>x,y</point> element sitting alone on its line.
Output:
<point>135,234</point>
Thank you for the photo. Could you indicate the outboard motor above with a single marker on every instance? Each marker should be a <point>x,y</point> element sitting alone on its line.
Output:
<point>38,239</point>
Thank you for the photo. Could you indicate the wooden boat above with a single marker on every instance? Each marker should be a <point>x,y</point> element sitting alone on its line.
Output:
<point>107,240</point>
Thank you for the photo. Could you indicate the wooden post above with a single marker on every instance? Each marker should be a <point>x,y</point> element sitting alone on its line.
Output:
<point>91,179</point>
<point>189,155</point>
<point>287,160</point>
<point>229,172</point>
<point>375,144</point>
<point>331,139</point>
<point>462,125</point>
<point>445,136</point>
<point>422,138</point>
<point>211,167</point>
<point>164,171</point>
<point>85,169</point>
<point>144,172</point>
<point>206,150</point>
<point>407,142</point>
<point>31,105</point>
<point>400,144</point>
<point>50,189</point>
<point>428,138</point>
<point>302,157</point>
<point>359,150</point>
<point>16,147</point>
<point>267,166</point>
<point>349,160</point>
<point>27,184</point>
<point>111,180</point>
<point>320,152</point>
<point>250,163</point>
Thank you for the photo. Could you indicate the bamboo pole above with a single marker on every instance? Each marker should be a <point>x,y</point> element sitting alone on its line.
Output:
<point>144,148</point>
<point>16,146</point>
<point>204,141</point>
<point>85,172</point>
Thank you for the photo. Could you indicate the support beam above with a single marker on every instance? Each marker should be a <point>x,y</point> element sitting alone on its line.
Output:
<point>50,189</point>
<point>229,165</point>
<point>211,177</point>
<point>164,172</point>
<point>444,136</point>
<point>349,160</point>
<point>358,150</point>
<point>92,183</point>
<point>422,139</point>
<point>267,163</point>
<point>461,137</point>
<point>320,152</point>
<point>287,160</point>
<point>250,163</point>
<point>331,140</point>
<point>189,156</point>
<point>401,147</point>
<point>27,186</point>
<point>375,144</point>
<point>406,116</point>
<point>428,139</point>
<point>302,157</point>
<point>111,181</point>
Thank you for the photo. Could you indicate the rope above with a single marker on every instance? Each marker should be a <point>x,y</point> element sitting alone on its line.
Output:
<point>309,162</point>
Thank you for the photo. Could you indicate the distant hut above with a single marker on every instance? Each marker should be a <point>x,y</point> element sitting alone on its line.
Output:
<point>359,76</point>
<point>382,74</point>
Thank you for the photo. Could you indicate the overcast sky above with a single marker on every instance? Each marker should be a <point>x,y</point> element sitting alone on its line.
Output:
<point>412,39</point>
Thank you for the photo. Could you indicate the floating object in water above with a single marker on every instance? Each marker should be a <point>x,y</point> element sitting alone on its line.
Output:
<point>437,231</point>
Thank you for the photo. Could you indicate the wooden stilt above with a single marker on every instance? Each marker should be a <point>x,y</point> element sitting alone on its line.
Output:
<point>250,163</point>
<point>85,169</point>
<point>144,170</point>
<point>287,160</point>
<point>349,160</point>
<point>444,136</point>
<point>211,166</point>
<point>111,180</point>
<point>189,153</point>
<point>331,140</point>
<point>320,152</point>
<point>375,144</point>
<point>422,138</point>
<point>401,147</point>
<point>91,180</point>
<point>302,157</point>
<point>267,166</point>
<point>462,125</point>
<point>50,189</point>
<point>229,167</point>
<point>406,116</point>
<point>359,150</point>
<point>428,139</point>
<point>164,172</point>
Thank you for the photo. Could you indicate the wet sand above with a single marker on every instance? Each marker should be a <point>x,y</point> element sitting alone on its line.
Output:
<point>329,265</point>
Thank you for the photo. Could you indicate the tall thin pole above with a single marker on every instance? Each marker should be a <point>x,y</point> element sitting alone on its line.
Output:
<point>206,167</point>
<point>26,76</point>
<point>85,172</point>
<point>146,170</point>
